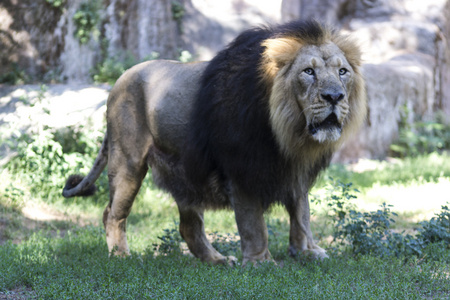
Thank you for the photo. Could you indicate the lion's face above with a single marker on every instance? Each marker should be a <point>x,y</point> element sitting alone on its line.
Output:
<point>323,79</point>
<point>317,90</point>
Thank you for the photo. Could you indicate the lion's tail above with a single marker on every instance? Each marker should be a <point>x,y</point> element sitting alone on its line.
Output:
<point>77,185</point>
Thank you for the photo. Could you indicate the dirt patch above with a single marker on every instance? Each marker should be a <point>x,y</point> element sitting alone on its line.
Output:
<point>18,293</point>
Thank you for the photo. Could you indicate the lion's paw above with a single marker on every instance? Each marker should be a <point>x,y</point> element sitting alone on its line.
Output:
<point>231,260</point>
<point>317,253</point>
<point>314,253</point>
<point>225,260</point>
<point>257,263</point>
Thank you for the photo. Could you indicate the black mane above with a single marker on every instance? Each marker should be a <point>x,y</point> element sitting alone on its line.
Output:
<point>230,133</point>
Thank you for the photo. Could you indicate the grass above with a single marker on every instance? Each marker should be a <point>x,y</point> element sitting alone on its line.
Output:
<point>75,266</point>
<point>54,248</point>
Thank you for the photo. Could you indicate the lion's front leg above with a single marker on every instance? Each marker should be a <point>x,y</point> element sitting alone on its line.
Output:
<point>193,232</point>
<point>300,235</point>
<point>252,230</point>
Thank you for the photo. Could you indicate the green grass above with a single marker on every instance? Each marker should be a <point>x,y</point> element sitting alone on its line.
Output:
<point>416,170</point>
<point>67,258</point>
<point>76,266</point>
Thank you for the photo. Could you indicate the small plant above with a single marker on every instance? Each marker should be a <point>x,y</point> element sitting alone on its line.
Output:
<point>227,244</point>
<point>56,3</point>
<point>170,242</point>
<point>45,159</point>
<point>14,197</point>
<point>178,12</point>
<point>438,228</point>
<point>110,69</point>
<point>338,199</point>
<point>370,233</point>
<point>185,56</point>
<point>86,20</point>
<point>14,76</point>
<point>421,137</point>
<point>41,93</point>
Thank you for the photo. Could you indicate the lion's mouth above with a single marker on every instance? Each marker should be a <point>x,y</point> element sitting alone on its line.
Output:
<point>331,122</point>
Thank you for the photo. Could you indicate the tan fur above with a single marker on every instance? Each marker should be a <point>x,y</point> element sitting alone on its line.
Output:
<point>287,112</point>
<point>148,112</point>
<point>278,53</point>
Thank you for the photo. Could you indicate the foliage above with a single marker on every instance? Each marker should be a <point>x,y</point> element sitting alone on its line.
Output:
<point>370,233</point>
<point>185,56</point>
<point>438,228</point>
<point>14,76</point>
<point>337,201</point>
<point>421,137</point>
<point>13,197</point>
<point>178,12</point>
<point>44,159</point>
<point>111,68</point>
<point>86,19</point>
<point>170,242</point>
<point>226,244</point>
<point>56,3</point>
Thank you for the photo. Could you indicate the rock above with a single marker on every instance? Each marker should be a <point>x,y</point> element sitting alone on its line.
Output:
<point>401,82</point>
<point>445,67</point>
<point>37,40</point>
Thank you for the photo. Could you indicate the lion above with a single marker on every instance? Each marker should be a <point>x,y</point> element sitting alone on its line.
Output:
<point>251,128</point>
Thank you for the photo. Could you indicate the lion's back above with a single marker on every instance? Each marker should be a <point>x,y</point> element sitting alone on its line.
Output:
<point>164,91</point>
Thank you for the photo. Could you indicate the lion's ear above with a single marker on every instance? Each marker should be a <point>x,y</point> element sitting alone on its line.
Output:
<point>281,51</point>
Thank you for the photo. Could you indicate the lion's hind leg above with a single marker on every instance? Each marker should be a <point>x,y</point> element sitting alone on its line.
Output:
<point>193,232</point>
<point>125,179</point>
<point>300,235</point>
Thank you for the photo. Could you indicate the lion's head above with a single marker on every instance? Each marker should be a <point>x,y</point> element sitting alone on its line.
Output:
<point>317,88</point>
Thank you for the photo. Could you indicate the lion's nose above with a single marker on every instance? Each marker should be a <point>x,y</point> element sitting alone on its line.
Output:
<point>333,98</point>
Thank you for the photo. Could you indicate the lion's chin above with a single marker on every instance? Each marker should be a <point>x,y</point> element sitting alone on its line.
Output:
<point>329,130</point>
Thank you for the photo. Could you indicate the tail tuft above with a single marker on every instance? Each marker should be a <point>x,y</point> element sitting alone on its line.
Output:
<point>75,180</point>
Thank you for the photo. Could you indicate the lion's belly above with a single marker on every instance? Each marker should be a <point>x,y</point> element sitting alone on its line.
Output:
<point>168,174</point>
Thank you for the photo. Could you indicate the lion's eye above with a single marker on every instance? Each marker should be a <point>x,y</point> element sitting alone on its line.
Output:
<point>309,71</point>
<point>343,71</point>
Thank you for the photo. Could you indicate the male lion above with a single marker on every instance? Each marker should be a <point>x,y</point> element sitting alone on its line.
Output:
<point>251,128</point>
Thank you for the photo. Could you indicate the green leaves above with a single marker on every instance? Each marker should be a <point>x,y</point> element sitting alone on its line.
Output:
<point>86,19</point>
<point>45,159</point>
<point>56,3</point>
<point>438,228</point>
<point>421,136</point>
<point>371,233</point>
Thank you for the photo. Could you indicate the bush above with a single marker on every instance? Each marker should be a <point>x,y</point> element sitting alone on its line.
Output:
<point>14,76</point>
<point>111,68</point>
<point>438,228</point>
<point>45,159</point>
<point>226,244</point>
<point>86,19</point>
<point>170,242</point>
<point>370,233</point>
<point>421,137</point>
<point>338,201</point>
